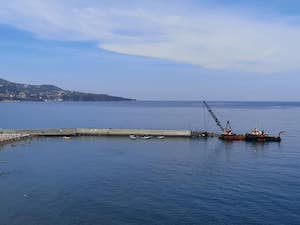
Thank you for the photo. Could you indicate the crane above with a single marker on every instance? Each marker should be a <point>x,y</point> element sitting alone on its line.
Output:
<point>227,129</point>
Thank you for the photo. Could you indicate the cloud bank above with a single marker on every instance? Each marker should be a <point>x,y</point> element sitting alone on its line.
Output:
<point>213,39</point>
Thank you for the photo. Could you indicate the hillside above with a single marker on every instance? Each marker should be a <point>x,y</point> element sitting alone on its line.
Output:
<point>10,91</point>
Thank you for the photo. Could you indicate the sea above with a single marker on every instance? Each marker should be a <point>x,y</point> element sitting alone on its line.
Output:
<point>173,181</point>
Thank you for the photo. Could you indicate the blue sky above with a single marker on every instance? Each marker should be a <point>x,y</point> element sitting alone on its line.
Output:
<point>155,50</point>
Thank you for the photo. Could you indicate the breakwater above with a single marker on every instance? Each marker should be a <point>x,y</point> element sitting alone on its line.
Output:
<point>8,135</point>
<point>106,132</point>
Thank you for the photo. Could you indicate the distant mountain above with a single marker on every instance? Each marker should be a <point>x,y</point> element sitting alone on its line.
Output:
<point>10,91</point>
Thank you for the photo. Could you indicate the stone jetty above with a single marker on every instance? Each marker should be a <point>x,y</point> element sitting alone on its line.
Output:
<point>7,136</point>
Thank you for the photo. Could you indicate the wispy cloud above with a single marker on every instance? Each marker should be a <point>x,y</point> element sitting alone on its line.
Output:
<point>214,39</point>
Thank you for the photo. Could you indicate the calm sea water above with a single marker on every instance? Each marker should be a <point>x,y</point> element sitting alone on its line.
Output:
<point>106,181</point>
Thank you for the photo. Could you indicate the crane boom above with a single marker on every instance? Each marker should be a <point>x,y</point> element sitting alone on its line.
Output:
<point>214,116</point>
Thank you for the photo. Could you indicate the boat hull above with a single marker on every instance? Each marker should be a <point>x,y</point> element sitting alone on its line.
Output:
<point>260,138</point>
<point>232,137</point>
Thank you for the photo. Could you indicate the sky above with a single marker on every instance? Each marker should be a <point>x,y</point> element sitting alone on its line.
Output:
<point>155,50</point>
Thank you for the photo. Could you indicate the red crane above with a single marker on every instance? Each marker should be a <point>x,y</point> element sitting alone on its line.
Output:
<point>227,129</point>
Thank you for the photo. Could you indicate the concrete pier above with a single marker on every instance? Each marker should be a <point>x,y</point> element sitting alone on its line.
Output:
<point>15,135</point>
<point>99,132</point>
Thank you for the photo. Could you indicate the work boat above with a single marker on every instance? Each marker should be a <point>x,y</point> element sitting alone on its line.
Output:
<point>229,136</point>
<point>261,136</point>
